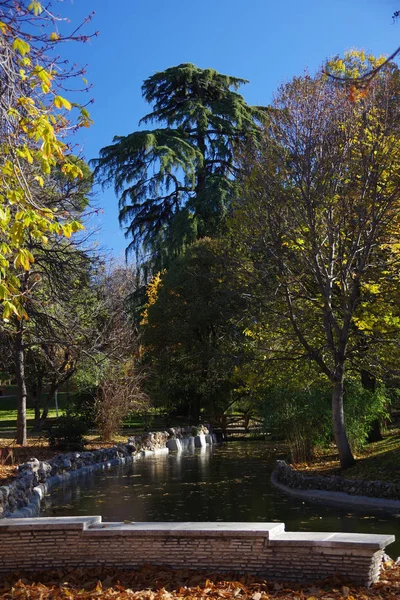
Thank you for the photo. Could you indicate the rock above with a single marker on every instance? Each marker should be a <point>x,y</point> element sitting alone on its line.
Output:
<point>33,472</point>
<point>174,445</point>
<point>297,480</point>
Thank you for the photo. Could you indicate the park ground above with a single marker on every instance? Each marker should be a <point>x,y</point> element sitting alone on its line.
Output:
<point>376,461</point>
<point>163,584</point>
<point>380,460</point>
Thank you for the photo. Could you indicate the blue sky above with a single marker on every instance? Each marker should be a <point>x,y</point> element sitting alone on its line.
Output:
<point>265,41</point>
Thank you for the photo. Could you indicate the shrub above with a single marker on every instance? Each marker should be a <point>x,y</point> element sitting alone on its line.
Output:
<point>68,434</point>
<point>361,408</point>
<point>301,417</point>
<point>119,394</point>
<point>83,407</point>
<point>196,430</point>
<point>304,418</point>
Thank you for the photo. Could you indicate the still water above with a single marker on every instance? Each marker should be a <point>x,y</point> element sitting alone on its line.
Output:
<point>230,482</point>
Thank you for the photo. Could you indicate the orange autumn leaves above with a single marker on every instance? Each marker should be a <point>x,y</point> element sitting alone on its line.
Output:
<point>158,583</point>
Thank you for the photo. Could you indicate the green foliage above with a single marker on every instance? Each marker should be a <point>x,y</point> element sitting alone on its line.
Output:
<point>319,219</point>
<point>191,338</point>
<point>83,407</point>
<point>38,118</point>
<point>196,430</point>
<point>175,182</point>
<point>303,416</point>
<point>68,434</point>
<point>362,408</point>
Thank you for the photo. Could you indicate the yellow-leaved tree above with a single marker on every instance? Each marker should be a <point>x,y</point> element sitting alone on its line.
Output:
<point>319,222</point>
<point>35,120</point>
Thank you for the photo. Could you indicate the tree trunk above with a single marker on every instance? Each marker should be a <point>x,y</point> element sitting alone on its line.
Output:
<point>36,391</point>
<point>195,406</point>
<point>49,399</point>
<point>368,381</point>
<point>21,386</point>
<point>36,406</point>
<point>246,418</point>
<point>345,454</point>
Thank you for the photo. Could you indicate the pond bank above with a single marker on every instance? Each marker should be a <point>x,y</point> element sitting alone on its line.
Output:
<point>311,493</point>
<point>373,482</point>
<point>23,496</point>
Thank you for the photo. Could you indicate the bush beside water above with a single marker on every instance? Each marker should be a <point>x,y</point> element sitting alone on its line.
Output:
<point>305,416</point>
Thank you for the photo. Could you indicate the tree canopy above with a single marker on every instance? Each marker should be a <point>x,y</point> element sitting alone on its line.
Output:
<point>175,181</point>
<point>319,217</point>
<point>34,117</point>
<point>191,337</point>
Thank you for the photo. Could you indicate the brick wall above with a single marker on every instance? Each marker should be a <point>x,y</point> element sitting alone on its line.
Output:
<point>264,549</point>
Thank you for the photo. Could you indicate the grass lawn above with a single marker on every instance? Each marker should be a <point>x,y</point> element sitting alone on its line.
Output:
<point>377,461</point>
<point>8,409</point>
<point>8,418</point>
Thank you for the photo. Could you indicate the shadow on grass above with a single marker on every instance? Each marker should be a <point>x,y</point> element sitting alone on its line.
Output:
<point>377,461</point>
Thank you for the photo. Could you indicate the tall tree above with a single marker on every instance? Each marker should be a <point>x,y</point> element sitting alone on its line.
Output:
<point>53,290</point>
<point>34,117</point>
<point>175,181</point>
<point>191,336</point>
<point>319,216</point>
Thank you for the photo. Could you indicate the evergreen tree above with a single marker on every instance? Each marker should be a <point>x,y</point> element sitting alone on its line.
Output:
<point>175,181</point>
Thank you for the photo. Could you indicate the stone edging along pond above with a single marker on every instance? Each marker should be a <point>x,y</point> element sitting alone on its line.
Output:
<point>22,497</point>
<point>336,490</point>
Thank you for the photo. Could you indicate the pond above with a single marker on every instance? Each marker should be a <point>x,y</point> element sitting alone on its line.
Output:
<point>230,482</point>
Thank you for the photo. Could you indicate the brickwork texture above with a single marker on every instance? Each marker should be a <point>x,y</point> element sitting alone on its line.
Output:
<point>264,549</point>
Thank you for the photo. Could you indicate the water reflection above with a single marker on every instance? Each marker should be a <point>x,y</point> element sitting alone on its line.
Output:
<point>224,483</point>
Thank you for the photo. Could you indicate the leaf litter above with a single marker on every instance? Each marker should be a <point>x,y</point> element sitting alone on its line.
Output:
<point>161,583</point>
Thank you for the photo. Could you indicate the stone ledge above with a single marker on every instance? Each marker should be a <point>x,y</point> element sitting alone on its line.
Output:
<point>189,529</point>
<point>338,498</point>
<point>32,509</point>
<point>333,540</point>
<point>41,523</point>
<point>300,480</point>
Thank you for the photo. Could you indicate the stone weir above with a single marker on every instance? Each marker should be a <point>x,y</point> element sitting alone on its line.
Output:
<point>263,549</point>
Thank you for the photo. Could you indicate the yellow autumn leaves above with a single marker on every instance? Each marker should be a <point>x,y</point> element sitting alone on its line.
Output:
<point>36,118</point>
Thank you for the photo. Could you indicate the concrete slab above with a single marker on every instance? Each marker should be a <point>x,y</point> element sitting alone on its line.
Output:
<point>200,441</point>
<point>233,526</point>
<point>48,523</point>
<point>202,529</point>
<point>367,540</point>
<point>187,443</point>
<point>332,540</point>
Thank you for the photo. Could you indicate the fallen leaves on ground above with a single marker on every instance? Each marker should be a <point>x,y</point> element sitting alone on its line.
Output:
<point>12,454</point>
<point>377,461</point>
<point>160,583</point>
